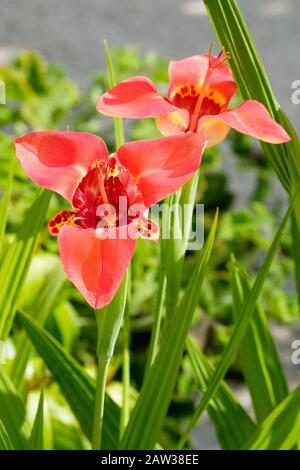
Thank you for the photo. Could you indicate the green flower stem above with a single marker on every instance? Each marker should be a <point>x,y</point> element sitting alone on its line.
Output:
<point>162,286</point>
<point>103,364</point>
<point>125,411</point>
<point>120,139</point>
<point>109,321</point>
<point>171,260</point>
<point>180,221</point>
<point>158,317</point>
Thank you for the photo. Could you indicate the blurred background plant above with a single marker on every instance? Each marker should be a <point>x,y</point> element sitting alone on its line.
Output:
<point>40,96</point>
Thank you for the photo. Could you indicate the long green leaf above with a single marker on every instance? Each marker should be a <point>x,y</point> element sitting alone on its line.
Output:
<point>232,423</point>
<point>253,83</point>
<point>118,123</point>
<point>36,441</point>
<point>149,413</point>
<point>252,80</point>
<point>281,429</point>
<point>78,388</point>
<point>39,309</point>
<point>12,414</point>
<point>17,261</point>
<point>5,199</point>
<point>5,442</point>
<point>179,218</point>
<point>239,329</point>
<point>259,359</point>
<point>172,252</point>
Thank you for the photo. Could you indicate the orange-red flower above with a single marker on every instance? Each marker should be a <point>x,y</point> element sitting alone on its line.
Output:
<point>200,90</point>
<point>109,195</point>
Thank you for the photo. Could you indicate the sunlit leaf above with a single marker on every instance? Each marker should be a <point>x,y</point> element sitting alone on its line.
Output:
<point>40,308</point>
<point>149,413</point>
<point>240,328</point>
<point>17,261</point>
<point>232,423</point>
<point>78,388</point>
<point>36,441</point>
<point>251,77</point>
<point>118,123</point>
<point>5,199</point>
<point>259,359</point>
<point>281,429</point>
<point>12,414</point>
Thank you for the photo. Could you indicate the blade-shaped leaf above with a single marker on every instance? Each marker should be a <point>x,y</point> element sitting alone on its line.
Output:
<point>78,388</point>
<point>232,423</point>
<point>36,441</point>
<point>172,252</point>
<point>252,80</point>
<point>5,442</point>
<point>39,309</point>
<point>250,75</point>
<point>12,414</point>
<point>118,123</point>
<point>179,218</point>
<point>259,359</point>
<point>5,199</point>
<point>281,429</point>
<point>240,328</point>
<point>17,261</point>
<point>149,413</point>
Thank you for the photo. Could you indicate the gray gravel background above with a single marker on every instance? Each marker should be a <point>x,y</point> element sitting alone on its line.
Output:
<point>71,32</point>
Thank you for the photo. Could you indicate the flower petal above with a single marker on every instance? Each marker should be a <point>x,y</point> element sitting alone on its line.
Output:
<point>147,229</point>
<point>192,70</point>
<point>225,90</point>
<point>173,123</point>
<point>59,160</point>
<point>187,71</point>
<point>134,98</point>
<point>213,129</point>
<point>161,166</point>
<point>252,118</point>
<point>95,266</point>
<point>60,219</point>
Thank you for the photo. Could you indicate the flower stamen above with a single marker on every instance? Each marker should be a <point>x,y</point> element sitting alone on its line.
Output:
<point>221,58</point>
<point>101,183</point>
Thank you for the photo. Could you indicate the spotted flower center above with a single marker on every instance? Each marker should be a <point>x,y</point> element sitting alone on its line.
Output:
<point>200,99</point>
<point>186,97</point>
<point>105,197</point>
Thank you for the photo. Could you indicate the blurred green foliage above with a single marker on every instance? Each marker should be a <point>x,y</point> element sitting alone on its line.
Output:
<point>41,97</point>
